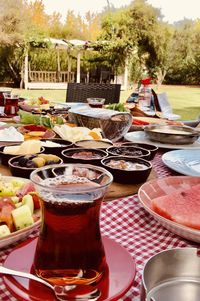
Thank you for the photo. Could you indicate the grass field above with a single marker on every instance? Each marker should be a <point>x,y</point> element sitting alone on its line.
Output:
<point>185,100</point>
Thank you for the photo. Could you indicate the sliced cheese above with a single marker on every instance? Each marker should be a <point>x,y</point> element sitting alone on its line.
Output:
<point>26,148</point>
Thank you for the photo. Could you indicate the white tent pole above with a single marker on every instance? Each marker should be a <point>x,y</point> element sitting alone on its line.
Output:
<point>58,65</point>
<point>78,70</point>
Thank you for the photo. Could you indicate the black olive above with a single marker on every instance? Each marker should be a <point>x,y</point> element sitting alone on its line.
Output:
<point>22,161</point>
<point>30,164</point>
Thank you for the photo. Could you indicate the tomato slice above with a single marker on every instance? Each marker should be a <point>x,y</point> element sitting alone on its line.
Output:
<point>36,199</point>
<point>33,127</point>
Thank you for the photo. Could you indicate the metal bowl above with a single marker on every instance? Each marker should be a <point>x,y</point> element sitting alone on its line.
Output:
<point>173,274</point>
<point>172,134</point>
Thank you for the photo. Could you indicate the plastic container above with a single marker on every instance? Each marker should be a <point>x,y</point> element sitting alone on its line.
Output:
<point>145,97</point>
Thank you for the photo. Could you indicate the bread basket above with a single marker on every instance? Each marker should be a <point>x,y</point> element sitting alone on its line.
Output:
<point>114,124</point>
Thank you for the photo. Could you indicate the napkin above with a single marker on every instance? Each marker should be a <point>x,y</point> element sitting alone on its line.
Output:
<point>11,134</point>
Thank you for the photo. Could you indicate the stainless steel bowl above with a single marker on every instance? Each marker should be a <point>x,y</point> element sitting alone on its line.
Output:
<point>172,134</point>
<point>173,274</point>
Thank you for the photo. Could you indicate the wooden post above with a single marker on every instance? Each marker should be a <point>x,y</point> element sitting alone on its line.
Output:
<point>69,69</point>
<point>58,65</point>
<point>88,77</point>
<point>26,71</point>
<point>78,69</point>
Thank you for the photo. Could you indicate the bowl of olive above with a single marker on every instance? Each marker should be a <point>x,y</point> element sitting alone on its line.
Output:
<point>22,166</point>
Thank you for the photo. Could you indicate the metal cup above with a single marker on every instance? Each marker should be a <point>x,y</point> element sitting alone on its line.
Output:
<point>173,275</point>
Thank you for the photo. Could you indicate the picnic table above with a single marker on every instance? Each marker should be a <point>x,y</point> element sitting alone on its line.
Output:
<point>126,222</point>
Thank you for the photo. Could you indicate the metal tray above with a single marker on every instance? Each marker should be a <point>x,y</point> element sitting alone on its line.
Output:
<point>172,134</point>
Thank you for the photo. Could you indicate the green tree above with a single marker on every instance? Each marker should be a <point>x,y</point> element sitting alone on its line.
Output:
<point>12,28</point>
<point>136,32</point>
<point>37,16</point>
<point>185,53</point>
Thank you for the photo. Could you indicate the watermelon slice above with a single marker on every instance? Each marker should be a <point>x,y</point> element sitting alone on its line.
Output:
<point>181,206</point>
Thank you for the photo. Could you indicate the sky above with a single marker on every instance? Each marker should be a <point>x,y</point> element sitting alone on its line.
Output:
<point>173,10</point>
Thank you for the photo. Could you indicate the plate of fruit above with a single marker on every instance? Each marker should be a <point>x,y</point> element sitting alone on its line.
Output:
<point>34,104</point>
<point>19,209</point>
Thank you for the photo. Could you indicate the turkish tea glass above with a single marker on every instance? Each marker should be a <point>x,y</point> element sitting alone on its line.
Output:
<point>2,100</point>
<point>96,102</point>
<point>11,104</point>
<point>70,250</point>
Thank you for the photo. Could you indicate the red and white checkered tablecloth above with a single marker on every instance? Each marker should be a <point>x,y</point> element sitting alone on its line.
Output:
<point>126,222</point>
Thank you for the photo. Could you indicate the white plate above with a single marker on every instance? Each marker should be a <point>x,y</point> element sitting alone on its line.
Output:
<point>20,234</point>
<point>141,137</point>
<point>186,162</point>
<point>159,187</point>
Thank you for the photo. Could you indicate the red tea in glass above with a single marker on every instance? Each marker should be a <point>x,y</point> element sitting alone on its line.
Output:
<point>11,104</point>
<point>70,248</point>
<point>2,101</point>
<point>96,102</point>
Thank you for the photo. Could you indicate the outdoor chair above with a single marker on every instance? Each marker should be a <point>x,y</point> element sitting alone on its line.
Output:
<point>165,107</point>
<point>79,92</point>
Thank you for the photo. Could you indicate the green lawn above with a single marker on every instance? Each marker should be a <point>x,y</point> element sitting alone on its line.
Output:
<point>185,100</point>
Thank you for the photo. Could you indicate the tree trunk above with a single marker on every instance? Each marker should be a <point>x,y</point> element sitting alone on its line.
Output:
<point>15,76</point>
<point>160,77</point>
